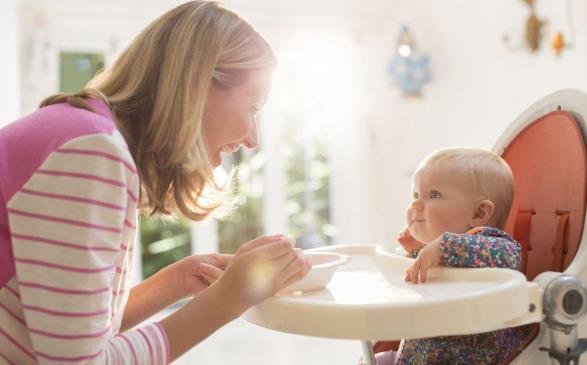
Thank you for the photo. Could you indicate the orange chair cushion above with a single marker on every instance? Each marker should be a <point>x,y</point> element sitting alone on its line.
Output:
<point>549,164</point>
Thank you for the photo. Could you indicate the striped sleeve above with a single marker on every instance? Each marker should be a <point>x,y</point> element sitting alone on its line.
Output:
<point>72,228</point>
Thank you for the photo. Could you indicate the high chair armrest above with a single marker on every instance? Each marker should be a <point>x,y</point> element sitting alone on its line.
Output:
<point>535,313</point>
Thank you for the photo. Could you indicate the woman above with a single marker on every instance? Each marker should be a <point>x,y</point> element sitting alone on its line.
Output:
<point>146,134</point>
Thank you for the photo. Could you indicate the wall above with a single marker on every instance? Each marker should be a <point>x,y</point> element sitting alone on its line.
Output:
<point>9,63</point>
<point>479,85</point>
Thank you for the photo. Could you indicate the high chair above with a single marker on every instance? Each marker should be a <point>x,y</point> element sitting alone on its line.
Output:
<point>368,300</point>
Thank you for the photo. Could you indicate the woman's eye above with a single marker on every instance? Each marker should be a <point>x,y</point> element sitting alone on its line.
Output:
<point>435,194</point>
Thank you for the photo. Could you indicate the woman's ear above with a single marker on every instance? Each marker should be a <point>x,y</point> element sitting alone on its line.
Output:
<point>484,212</point>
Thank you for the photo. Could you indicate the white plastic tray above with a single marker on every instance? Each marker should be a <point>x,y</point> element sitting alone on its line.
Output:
<point>368,299</point>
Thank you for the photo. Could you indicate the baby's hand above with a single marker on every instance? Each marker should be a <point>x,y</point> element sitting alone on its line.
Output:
<point>429,256</point>
<point>408,242</point>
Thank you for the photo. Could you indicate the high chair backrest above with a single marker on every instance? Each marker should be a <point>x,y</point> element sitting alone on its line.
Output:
<point>549,164</point>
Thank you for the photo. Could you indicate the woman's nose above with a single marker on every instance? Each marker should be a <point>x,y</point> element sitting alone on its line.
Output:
<point>252,140</point>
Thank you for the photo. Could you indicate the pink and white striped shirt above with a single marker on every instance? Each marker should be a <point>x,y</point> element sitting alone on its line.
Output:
<point>68,217</point>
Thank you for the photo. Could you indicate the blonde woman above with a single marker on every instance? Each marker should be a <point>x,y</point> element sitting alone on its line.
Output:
<point>146,134</point>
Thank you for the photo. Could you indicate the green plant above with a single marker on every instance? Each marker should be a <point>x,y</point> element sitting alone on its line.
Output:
<point>163,242</point>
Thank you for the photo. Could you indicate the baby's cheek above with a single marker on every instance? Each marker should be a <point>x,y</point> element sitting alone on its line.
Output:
<point>420,236</point>
<point>437,227</point>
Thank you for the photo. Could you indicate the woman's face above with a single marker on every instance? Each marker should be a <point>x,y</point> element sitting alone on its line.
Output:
<point>230,115</point>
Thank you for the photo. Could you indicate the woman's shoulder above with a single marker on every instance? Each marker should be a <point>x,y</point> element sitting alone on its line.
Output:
<point>28,142</point>
<point>37,135</point>
<point>61,122</point>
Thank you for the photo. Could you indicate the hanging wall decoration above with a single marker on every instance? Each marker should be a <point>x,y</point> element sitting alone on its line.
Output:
<point>534,32</point>
<point>558,43</point>
<point>561,42</point>
<point>409,68</point>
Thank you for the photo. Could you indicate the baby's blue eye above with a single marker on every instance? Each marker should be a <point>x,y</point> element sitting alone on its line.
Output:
<point>435,194</point>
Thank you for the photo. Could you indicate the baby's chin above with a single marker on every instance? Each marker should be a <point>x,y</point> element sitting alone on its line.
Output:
<point>423,237</point>
<point>414,233</point>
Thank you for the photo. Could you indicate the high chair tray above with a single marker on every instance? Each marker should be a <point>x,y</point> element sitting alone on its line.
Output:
<point>367,299</point>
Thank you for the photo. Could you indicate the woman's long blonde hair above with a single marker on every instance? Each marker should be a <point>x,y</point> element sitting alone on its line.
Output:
<point>157,90</point>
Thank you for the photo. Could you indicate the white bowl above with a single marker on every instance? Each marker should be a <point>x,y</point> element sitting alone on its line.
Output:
<point>324,264</point>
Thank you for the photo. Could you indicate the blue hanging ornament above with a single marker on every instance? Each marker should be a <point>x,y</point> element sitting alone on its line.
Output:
<point>409,69</point>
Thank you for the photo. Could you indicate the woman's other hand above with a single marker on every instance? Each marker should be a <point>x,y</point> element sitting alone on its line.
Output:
<point>187,272</point>
<point>210,272</point>
<point>259,269</point>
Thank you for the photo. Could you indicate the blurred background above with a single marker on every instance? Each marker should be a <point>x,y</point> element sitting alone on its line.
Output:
<point>363,91</point>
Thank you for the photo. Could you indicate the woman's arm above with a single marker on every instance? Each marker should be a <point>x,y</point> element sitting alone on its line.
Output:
<point>198,319</point>
<point>175,282</point>
<point>69,226</point>
<point>150,297</point>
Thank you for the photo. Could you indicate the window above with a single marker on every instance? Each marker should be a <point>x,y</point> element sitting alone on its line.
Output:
<point>307,168</point>
<point>76,69</point>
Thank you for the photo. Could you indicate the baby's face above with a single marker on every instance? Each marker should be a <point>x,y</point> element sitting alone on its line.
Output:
<point>443,200</point>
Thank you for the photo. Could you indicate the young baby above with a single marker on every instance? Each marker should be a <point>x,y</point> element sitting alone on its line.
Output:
<point>461,198</point>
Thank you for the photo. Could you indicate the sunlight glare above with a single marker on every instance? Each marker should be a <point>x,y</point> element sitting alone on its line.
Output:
<point>316,73</point>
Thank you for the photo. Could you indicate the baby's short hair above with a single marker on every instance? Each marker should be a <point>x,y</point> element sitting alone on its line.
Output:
<point>492,176</point>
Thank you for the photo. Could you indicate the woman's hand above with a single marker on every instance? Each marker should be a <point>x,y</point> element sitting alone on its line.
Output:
<point>408,242</point>
<point>429,256</point>
<point>212,272</point>
<point>192,279</point>
<point>259,269</point>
